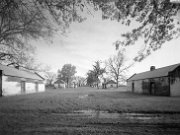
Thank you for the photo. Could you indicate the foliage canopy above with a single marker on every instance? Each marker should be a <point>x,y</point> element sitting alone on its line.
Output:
<point>156,22</point>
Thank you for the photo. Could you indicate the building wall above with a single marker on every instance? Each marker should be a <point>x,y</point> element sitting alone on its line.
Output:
<point>155,86</point>
<point>13,86</point>
<point>162,86</point>
<point>41,87</point>
<point>175,82</point>
<point>110,85</point>
<point>30,87</point>
<point>145,86</point>
<point>61,85</point>
<point>138,86</point>
<point>175,88</point>
<point>129,86</point>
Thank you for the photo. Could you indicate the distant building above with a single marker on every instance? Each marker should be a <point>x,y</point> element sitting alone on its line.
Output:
<point>16,81</point>
<point>59,84</point>
<point>162,81</point>
<point>109,84</point>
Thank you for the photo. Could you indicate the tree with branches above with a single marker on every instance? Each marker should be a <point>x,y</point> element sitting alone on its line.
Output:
<point>50,77</point>
<point>67,73</point>
<point>117,68</point>
<point>21,21</point>
<point>154,21</point>
<point>91,79</point>
<point>79,80</point>
<point>94,75</point>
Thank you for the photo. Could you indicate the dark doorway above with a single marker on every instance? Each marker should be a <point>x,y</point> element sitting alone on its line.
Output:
<point>23,87</point>
<point>133,87</point>
<point>1,92</point>
<point>152,88</point>
<point>36,86</point>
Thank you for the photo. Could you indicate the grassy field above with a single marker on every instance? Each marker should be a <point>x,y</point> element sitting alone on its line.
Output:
<point>53,112</point>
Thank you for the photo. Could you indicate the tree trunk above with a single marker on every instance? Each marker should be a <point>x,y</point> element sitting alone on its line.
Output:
<point>50,82</point>
<point>67,82</point>
<point>117,82</point>
<point>97,86</point>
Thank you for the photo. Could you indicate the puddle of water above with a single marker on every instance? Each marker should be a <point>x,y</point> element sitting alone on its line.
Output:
<point>97,114</point>
<point>115,115</point>
<point>140,116</point>
<point>85,96</point>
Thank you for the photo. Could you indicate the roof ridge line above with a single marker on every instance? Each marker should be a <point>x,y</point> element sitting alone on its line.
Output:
<point>158,68</point>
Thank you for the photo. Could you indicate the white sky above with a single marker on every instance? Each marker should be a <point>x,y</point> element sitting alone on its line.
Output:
<point>93,40</point>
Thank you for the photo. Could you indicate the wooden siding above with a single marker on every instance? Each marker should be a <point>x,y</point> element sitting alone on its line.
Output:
<point>59,85</point>
<point>175,82</point>
<point>111,85</point>
<point>137,86</point>
<point>175,88</point>
<point>155,86</point>
<point>129,86</point>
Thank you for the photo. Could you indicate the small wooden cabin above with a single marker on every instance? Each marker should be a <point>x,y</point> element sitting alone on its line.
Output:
<point>59,84</point>
<point>163,81</point>
<point>15,81</point>
<point>109,84</point>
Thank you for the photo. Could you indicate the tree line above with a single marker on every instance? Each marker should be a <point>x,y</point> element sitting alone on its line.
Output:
<point>114,68</point>
<point>67,75</point>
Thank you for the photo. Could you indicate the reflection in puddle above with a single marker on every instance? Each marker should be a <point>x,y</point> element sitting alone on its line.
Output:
<point>97,114</point>
<point>115,115</point>
<point>141,116</point>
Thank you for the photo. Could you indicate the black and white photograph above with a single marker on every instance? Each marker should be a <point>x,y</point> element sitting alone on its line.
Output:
<point>89,67</point>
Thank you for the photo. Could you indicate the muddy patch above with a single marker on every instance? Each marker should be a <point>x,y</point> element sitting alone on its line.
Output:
<point>115,115</point>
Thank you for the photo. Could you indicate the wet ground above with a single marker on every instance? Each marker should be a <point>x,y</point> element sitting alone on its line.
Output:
<point>89,112</point>
<point>104,122</point>
<point>115,115</point>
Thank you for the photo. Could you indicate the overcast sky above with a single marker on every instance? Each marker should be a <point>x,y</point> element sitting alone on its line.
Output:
<point>93,40</point>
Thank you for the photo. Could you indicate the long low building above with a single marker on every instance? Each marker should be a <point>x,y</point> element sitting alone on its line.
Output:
<point>162,81</point>
<point>15,81</point>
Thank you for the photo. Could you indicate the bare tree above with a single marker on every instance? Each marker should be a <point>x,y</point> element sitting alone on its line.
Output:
<point>117,68</point>
<point>79,80</point>
<point>51,76</point>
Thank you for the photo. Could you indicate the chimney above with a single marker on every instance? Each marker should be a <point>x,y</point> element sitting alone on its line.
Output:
<point>152,68</point>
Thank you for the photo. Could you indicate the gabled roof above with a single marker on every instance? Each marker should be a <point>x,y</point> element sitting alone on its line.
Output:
<point>111,82</point>
<point>10,71</point>
<point>160,72</point>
